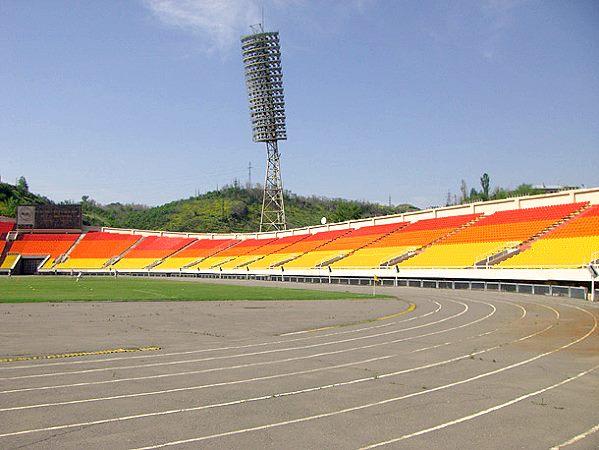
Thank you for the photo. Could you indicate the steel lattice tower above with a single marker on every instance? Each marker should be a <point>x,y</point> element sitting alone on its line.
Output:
<point>264,81</point>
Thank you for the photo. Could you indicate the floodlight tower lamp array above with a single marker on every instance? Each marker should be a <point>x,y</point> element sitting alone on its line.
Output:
<point>264,80</point>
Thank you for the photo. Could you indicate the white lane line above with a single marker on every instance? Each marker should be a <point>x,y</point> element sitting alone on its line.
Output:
<point>237,347</point>
<point>248,400</point>
<point>577,438</point>
<point>443,344</point>
<point>238,355</point>
<point>484,412</point>
<point>143,394</point>
<point>486,333</point>
<point>375,404</point>
<point>217,369</point>
<point>201,386</point>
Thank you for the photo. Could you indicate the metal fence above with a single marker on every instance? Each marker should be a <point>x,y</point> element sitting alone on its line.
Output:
<point>471,285</point>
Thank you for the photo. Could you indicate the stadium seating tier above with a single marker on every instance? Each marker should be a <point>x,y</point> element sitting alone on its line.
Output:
<point>195,252</point>
<point>151,250</point>
<point>491,235</point>
<point>95,249</point>
<point>573,244</point>
<point>551,236</point>
<point>402,241</point>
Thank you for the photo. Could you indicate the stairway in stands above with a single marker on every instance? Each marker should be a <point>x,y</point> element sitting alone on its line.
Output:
<point>62,258</point>
<point>281,263</point>
<point>259,257</point>
<point>525,245</point>
<point>408,255</point>
<point>216,251</point>
<point>161,260</point>
<point>351,252</point>
<point>118,257</point>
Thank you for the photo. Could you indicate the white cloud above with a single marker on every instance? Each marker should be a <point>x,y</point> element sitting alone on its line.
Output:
<point>219,22</point>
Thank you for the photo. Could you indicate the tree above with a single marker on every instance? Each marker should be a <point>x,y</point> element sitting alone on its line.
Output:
<point>347,211</point>
<point>22,184</point>
<point>485,183</point>
<point>463,191</point>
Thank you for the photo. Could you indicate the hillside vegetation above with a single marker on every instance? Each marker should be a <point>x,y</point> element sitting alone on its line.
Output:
<point>13,196</point>
<point>232,208</point>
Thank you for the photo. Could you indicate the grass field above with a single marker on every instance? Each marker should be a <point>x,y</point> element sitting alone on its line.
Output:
<point>59,289</point>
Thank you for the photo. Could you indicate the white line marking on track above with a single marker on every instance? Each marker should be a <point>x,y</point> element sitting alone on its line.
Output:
<point>238,355</point>
<point>142,394</point>
<point>238,347</point>
<point>482,412</point>
<point>374,404</point>
<point>285,394</point>
<point>486,333</point>
<point>216,369</point>
<point>201,386</point>
<point>578,437</point>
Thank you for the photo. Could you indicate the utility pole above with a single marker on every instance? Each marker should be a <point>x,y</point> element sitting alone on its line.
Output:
<point>250,174</point>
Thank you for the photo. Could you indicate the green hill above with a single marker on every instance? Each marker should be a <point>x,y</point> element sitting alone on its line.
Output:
<point>232,208</point>
<point>13,196</point>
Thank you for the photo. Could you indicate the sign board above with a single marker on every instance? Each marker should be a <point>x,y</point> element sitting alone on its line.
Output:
<point>25,216</point>
<point>49,217</point>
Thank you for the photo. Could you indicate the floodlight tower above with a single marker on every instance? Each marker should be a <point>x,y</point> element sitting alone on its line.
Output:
<point>264,80</point>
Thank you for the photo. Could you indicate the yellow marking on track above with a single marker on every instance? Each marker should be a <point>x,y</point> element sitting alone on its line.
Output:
<point>411,307</point>
<point>77,354</point>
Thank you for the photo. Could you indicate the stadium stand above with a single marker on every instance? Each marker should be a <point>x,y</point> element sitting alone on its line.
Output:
<point>558,231</point>
<point>345,244</point>
<point>97,249</point>
<point>572,244</point>
<point>5,228</point>
<point>151,250</point>
<point>402,241</point>
<point>194,253</point>
<point>275,246</point>
<point>9,261</point>
<point>286,255</point>
<point>3,246</point>
<point>490,235</point>
<point>43,245</point>
<point>229,254</point>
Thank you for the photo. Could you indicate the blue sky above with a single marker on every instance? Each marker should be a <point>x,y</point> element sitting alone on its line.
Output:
<point>144,101</point>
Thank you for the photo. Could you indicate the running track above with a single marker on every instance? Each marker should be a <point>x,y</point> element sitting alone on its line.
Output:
<point>462,370</point>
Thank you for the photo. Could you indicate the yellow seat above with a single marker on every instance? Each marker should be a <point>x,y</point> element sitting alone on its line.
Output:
<point>312,259</point>
<point>82,263</point>
<point>175,263</point>
<point>371,257</point>
<point>211,262</point>
<point>133,263</point>
<point>240,260</point>
<point>558,252</point>
<point>10,261</point>
<point>270,260</point>
<point>455,255</point>
<point>48,264</point>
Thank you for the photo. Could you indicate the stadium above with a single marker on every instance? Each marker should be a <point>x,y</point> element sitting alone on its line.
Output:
<point>471,325</point>
<point>549,240</point>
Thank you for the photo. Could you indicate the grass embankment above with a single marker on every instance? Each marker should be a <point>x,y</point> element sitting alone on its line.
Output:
<point>59,289</point>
